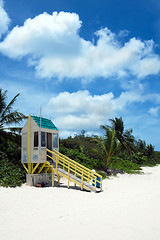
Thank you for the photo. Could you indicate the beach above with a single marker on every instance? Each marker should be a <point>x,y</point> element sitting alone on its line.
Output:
<point>128,208</point>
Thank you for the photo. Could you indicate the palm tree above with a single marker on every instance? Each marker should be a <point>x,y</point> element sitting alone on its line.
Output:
<point>125,137</point>
<point>150,149</point>
<point>107,146</point>
<point>141,145</point>
<point>146,149</point>
<point>8,116</point>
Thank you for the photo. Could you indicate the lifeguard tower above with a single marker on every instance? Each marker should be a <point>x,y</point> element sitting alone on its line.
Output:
<point>38,134</point>
<point>42,161</point>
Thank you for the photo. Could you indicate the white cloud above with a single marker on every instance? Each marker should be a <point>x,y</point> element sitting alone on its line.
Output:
<point>54,47</point>
<point>80,110</point>
<point>4,19</point>
<point>146,66</point>
<point>45,35</point>
<point>154,111</point>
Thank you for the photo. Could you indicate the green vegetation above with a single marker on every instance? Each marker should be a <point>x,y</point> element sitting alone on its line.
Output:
<point>11,174</point>
<point>125,137</point>
<point>107,146</point>
<point>11,171</point>
<point>8,115</point>
<point>124,165</point>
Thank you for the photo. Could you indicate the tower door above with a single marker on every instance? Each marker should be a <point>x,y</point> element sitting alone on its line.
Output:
<point>49,144</point>
<point>49,141</point>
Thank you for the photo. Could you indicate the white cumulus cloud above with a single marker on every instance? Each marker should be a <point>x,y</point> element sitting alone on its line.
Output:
<point>80,110</point>
<point>4,19</point>
<point>54,47</point>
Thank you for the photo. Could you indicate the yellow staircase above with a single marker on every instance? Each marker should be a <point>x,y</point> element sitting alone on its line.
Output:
<point>61,165</point>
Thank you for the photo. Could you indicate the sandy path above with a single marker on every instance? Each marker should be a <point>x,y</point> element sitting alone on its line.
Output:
<point>127,209</point>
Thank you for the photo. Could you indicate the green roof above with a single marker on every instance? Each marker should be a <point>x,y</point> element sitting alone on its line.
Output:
<point>44,122</point>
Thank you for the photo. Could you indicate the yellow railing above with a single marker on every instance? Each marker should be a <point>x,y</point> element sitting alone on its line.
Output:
<point>76,172</point>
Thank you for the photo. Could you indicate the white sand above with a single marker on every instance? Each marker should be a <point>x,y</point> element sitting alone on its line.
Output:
<point>127,209</point>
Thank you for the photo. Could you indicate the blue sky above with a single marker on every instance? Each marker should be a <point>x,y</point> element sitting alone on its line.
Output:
<point>84,62</point>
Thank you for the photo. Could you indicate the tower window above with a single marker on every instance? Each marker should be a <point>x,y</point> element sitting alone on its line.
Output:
<point>35,139</point>
<point>43,139</point>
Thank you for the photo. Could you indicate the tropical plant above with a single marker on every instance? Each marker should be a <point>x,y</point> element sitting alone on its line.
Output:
<point>8,116</point>
<point>108,145</point>
<point>150,149</point>
<point>11,174</point>
<point>141,145</point>
<point>124,136</point>
<point>124,165</point>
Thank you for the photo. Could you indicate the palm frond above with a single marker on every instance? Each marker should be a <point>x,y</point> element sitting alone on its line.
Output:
<point>15,129</point>
<point>14,117</point>
<point>117,148</point>
<point>98,153</point>
<point>2,100</point>
<point>105,127</point>
<point>9,106</point>
<point>101,142</point>
<point>108,145</point>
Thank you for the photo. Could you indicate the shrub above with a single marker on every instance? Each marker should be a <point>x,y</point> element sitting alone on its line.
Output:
<point>102,174</point>
<point>11,175</point>
<point>124,165</point>
<point>78,156</point>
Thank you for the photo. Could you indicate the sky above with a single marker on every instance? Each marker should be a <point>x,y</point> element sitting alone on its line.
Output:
<point>84,62</point>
